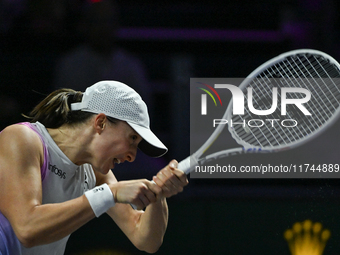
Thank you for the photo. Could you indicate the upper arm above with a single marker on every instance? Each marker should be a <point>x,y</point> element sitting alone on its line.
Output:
<point>21,157</point>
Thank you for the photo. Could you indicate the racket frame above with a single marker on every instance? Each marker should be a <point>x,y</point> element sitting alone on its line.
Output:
<point>187,165</point>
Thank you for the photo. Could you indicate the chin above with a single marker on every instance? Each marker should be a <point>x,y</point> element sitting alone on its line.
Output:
<point>105,171</point>
<point>102,170</point>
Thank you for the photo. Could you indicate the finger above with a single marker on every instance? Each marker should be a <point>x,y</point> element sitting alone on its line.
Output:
<point>150,196</point>
<point>164,177</point>
<point>161,183</point>
<point>173,178</point>
<point>179,173</point>
<point>165,191</point>
<point>181,178</point>
<point>178,180</point>
<point>173,164</point>
<point>144,196</point>
<point>154,187</point>
<point>138,204</point>
<point>145,201</point>
<point>171,185</point>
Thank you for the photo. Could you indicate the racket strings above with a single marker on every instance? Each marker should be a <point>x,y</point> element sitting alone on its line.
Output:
<point>308,125</point>
<point>312,69</point>
<point>266,135</point>
<point>275,137</point>
<point>271,136</point>
<point>256,136</point>
<point>327,100</point>
<point>329,78</point>
<point>279,130</point>
<point>302,81</point>
<point>289,115</point>
<point>312,72</point>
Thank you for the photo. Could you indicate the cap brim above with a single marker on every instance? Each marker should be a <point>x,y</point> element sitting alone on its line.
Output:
<point>150,144</point>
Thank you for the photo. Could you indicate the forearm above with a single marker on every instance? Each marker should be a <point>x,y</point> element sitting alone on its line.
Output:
<point>152,225</point>
<point>51,222</point>
<point>145,229</point>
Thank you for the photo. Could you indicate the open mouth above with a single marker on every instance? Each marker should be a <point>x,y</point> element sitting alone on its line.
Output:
<point>116,161</point>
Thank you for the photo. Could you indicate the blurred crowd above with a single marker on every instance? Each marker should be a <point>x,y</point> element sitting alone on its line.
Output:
<point>61,43</point>
<point>51,44</point>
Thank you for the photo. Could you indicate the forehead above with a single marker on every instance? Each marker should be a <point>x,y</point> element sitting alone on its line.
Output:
<point>124,125</point>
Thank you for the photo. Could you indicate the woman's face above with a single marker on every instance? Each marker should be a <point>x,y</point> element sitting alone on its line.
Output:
<point>115,144</point>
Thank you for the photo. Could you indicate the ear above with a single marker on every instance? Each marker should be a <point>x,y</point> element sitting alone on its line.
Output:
<point>100,123</point>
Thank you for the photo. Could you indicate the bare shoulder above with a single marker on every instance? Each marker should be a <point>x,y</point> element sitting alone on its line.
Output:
<point>20,140</point>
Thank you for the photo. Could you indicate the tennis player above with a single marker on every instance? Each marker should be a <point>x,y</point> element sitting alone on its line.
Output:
<point>55,171</point>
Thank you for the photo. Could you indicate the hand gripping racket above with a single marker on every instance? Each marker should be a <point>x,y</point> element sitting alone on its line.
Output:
<point>311,70</point>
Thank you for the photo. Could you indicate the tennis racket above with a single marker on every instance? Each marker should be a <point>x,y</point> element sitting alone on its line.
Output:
<point>313,70</point>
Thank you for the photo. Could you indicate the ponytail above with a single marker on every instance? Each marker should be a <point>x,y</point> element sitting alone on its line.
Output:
<point>55,109</point>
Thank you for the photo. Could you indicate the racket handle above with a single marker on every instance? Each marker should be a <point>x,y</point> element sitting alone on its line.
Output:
<point>188,164</point>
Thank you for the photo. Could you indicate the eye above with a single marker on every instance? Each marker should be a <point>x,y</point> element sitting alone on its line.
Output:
<point>134,138</point>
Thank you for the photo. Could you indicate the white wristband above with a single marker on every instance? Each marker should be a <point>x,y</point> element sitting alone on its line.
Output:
<point>100,199</point>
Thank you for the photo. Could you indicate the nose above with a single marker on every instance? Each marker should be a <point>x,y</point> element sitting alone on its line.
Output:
<point>131,155</point>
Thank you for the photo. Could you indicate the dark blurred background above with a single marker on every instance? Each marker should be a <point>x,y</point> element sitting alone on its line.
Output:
<point>156,47</point>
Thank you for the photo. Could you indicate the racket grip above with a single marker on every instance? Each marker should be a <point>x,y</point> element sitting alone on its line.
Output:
<point>188,164</point>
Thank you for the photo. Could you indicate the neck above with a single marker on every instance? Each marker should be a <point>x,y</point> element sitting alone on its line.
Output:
<point>73,142</point>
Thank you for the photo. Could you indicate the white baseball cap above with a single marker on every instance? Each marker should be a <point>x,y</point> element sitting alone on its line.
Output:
<point>117,100</point>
